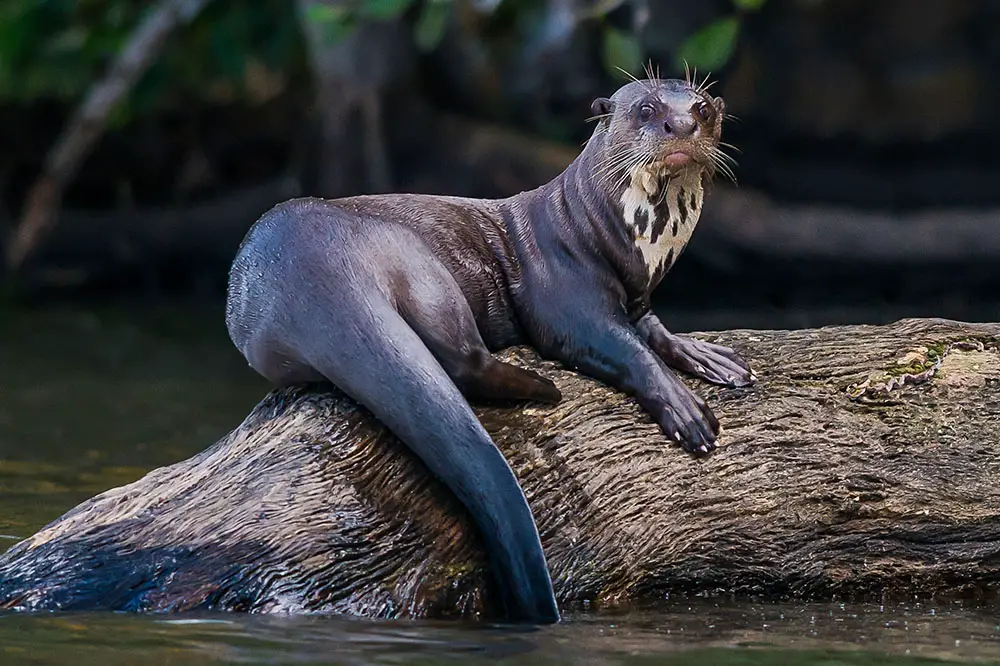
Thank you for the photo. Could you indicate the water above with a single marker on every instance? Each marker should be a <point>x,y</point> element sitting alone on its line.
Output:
<point>676,633</point>
<point>94,398</point>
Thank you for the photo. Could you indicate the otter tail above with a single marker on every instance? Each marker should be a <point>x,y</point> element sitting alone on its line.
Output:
<point>384,365</point>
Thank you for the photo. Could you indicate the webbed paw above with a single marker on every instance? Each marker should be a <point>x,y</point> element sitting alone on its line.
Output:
<point>708,361</point>
<point>688,420</point>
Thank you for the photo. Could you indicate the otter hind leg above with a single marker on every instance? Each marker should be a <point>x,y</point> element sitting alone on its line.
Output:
<point>485,378</point>
<point>437,311</point>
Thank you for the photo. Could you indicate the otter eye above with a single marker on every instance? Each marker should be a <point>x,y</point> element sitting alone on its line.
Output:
<point>704,111</point>
<point>646,112</point>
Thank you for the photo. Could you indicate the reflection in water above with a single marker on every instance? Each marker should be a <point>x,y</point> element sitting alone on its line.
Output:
<point>676,633</point>
<point>89,401</point>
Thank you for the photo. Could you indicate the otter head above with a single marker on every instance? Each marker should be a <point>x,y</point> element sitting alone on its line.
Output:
<point>658,141</point>
<point>658,129</point>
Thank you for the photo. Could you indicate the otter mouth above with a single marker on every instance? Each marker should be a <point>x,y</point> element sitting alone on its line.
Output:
<point>676,160</point>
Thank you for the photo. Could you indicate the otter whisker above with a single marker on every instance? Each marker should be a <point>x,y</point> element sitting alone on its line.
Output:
<point>619,182</point>
<point>724,156</point>
<point>628,74</point>
<point>663,192</point>
<point>644,160</point>
<point>727,169</point>
<point>721,155</point>
<point>615,180</point>
<point>705,84</point>
<point>715,157</point>
<point>597,130</point>
<point>653,77</point>
<point>723,164</point>
<point>616,160</point>
<point>730,146</point>
<point>640,160</point>
<point>612,168</point>
<point>623,161</point>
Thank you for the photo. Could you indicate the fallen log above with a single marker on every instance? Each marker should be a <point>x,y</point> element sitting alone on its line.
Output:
<point>864,462</point>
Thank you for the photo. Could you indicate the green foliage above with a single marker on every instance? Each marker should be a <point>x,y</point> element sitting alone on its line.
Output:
<point>621,50</point>
<point>431,25</point>
<point>710,48</point>
<point>338,21</point>
<point>384,9</point>
<point>55,49</point>
<point>749,5</point>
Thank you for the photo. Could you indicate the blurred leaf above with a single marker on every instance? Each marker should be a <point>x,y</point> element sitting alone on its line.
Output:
<point>749,5</point>
<point>56,49</point>
<point>228,44</point>
<point>710,47</point>
<point>69,40</point>
<point>385,9</point>
<point>485,6</point>
<point>324,13</point>
<point>621,49</point>
<point>121,114</point>
<point>335,20</point>
<point>431,24</point>
<point>117,15</point>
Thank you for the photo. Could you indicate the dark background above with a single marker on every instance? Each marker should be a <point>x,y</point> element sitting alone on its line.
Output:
<point>868,182</point>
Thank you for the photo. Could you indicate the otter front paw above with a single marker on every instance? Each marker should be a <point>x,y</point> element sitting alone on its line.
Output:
<point>688,420</point>
<point>709,362</point>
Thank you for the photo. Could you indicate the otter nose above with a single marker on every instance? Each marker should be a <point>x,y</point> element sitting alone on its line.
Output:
<point>679,126</point>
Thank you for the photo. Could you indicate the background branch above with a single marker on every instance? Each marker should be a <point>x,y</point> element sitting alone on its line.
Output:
<point>88,123</point>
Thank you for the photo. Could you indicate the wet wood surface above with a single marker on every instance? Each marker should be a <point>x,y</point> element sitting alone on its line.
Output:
<point>862,464</point>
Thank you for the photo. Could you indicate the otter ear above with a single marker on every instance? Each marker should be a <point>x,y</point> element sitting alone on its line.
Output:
<point>602,106</point>
<point>720,106</point>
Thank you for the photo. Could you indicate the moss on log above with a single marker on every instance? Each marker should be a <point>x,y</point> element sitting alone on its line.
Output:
<point>864,462</point>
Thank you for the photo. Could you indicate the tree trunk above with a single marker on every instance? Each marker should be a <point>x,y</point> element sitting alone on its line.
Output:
<point>864,462</point>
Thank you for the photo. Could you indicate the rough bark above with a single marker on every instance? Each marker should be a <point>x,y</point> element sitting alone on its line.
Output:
<point>89,120</point>
<point>862,463</point>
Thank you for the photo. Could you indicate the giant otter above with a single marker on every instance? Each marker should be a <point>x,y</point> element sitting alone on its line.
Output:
<point>400,299</point>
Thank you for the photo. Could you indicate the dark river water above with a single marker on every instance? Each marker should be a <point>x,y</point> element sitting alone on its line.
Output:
<point>94,398</point>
